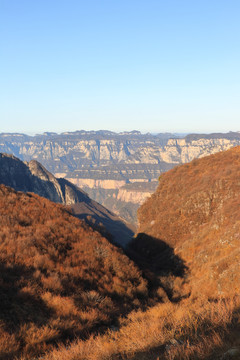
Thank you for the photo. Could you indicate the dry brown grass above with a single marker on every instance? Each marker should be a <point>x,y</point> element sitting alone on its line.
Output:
<point>60,279</point>
<point>191,330</point>
<point>63,286</point>
<point>195,210</point>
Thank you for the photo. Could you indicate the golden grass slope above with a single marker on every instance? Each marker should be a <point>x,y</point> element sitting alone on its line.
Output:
<point>196,211</point>
<point>59,278</point>
<point>186,331</point>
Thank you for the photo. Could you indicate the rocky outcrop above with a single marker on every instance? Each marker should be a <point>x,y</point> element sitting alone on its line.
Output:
<point>33,177</point>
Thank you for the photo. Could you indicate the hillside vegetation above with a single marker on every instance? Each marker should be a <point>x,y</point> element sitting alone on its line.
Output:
<point>59,278</point>
<point>188,249</point>
<point>195,211</point>
<point>188,243</point>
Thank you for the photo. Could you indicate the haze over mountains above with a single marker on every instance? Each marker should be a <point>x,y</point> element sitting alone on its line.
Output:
<point>103,163</point>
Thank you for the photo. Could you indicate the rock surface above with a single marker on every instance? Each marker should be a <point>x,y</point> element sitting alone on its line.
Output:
<point>104,155</point>
<point>33,177</point>
<point>101,162</point>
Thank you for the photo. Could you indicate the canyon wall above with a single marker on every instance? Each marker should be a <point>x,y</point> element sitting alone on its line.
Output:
<point>104,163</point>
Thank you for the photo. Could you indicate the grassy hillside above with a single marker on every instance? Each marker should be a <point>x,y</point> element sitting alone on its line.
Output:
<point>66,282</point>
<point>195,211</point>
<point>59,278</point>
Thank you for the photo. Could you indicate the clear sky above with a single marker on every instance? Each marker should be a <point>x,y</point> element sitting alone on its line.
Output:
<point>149,65</point>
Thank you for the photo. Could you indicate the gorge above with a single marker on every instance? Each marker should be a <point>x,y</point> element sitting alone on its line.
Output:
<point>105,164</point>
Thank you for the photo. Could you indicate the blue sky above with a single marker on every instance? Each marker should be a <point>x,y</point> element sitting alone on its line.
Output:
<point>149,65</point>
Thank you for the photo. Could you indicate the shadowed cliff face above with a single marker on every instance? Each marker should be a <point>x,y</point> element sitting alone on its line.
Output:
<point>195,210</point>
<point>33,177</point>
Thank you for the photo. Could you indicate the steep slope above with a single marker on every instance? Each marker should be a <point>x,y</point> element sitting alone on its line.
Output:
<point>195,211</point>
<point>33,177</point>
<point>59,278</point>
<point>189,236</point>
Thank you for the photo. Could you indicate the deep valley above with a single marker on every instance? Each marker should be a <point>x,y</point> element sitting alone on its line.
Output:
<point>74,287</point>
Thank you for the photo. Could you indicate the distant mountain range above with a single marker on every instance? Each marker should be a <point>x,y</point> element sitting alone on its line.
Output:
<point>103,163</point>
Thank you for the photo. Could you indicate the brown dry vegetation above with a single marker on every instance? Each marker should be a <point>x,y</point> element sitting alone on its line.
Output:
<point>196,212</point>
<point>187,247</point>
<point>59,278</point>
<point>196,330</point>
<point>189,239</point>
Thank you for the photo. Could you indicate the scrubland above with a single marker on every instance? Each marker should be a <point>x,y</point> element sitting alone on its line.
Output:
<point>190,330</point>
<point>60,279</point>
<point>68,294</point>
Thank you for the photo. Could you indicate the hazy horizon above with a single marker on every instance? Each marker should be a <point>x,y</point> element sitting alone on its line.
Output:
<point>147,65</point>
<point>117,132</point>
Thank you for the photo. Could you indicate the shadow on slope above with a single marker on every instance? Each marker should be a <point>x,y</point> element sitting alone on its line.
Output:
<point>160,265</point>
<point>97,216</point>
<point>102,220</point>
<point>52,260</point>
<point>18,305</point>
<point>156,255</point>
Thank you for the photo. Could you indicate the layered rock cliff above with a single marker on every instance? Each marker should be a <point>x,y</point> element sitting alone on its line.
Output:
<point>105,155</point>
<point>136,192</point>
<point>102,162</point>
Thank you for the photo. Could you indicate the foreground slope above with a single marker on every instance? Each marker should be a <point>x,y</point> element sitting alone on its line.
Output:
<point>189,236</point>
<point>59,278</point>
<point>195,211</point>
<point>33,177</point>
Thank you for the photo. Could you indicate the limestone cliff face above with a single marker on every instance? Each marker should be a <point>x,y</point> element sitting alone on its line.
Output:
<point>105,155</point>
<point>183,151</point>
<point>136,192</point>
<point>103,162</point>
<point>103,184</point>
<point>134,197</point>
